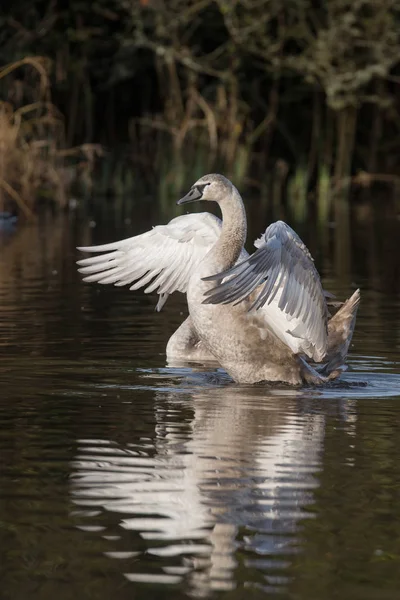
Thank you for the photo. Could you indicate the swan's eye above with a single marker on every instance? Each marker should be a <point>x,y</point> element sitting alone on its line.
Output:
<point>201,188</point>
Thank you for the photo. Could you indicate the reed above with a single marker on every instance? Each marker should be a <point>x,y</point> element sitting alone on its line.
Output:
<point>324,195</point>
<point>34,161</point>
<point>177,88</point>
<point>297,194</point>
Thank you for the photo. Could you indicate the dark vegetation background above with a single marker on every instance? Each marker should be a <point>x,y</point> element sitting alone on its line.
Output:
<point>297,99</point>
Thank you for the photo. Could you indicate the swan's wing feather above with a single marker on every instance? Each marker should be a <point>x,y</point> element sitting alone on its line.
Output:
<point>242,279</point>
<point>284,271</point>
<point>162,259</point>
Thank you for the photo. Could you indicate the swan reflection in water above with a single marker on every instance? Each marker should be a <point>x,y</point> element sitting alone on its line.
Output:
<point>227,468</point>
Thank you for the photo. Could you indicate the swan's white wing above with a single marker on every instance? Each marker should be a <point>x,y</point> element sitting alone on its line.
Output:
<point>162,259</point>
<point>289,294</point>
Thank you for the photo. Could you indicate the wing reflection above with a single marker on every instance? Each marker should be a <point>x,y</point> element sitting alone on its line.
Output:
<point>228,468</point>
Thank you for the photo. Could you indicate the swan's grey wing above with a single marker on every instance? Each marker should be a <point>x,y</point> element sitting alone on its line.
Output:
<point>162,259</point>
<point>280,272</point>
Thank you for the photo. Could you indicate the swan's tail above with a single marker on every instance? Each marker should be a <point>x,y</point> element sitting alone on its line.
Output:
<point>340,333</point>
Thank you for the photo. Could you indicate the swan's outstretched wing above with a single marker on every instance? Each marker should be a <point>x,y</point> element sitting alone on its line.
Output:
<point>285,285</point>
<point>161,259</point>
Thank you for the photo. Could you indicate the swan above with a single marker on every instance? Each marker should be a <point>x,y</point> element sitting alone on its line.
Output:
<point>263,317</point>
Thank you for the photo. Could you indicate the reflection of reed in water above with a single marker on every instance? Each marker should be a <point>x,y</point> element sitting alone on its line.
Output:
<point>235,476</point>
<point>41,295</point>
<point>36,268</point>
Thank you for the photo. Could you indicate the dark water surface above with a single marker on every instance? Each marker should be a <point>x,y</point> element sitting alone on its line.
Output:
<point>123,478</point>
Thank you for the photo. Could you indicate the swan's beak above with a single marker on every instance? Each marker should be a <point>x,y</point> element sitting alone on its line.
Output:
<point>194,194</point>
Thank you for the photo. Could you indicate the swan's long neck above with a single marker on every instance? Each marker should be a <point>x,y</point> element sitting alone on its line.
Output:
<point>234,230</point>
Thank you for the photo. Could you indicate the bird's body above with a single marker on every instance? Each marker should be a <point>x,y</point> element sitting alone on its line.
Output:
<point>263,317</point>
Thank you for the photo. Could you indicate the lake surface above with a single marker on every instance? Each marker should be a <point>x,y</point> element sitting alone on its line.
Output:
<point>121,477</point>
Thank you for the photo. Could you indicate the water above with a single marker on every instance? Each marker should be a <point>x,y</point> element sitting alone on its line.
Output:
<point>121,477</point>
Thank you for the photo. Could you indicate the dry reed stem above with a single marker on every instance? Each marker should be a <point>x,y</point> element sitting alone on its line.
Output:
<point>15,196</point>
<point>32,140</point>
<point>40,63</point>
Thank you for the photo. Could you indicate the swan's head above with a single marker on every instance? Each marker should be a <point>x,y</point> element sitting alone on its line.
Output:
<point>209,187</point>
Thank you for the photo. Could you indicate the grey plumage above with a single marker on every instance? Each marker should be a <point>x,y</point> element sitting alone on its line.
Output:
<point>281,267</point>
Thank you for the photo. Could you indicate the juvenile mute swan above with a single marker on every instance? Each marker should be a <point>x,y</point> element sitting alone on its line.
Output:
<point>263,317</point>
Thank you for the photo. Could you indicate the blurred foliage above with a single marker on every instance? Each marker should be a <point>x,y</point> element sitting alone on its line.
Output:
<point>244,86</point>
<point>33,159</point>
